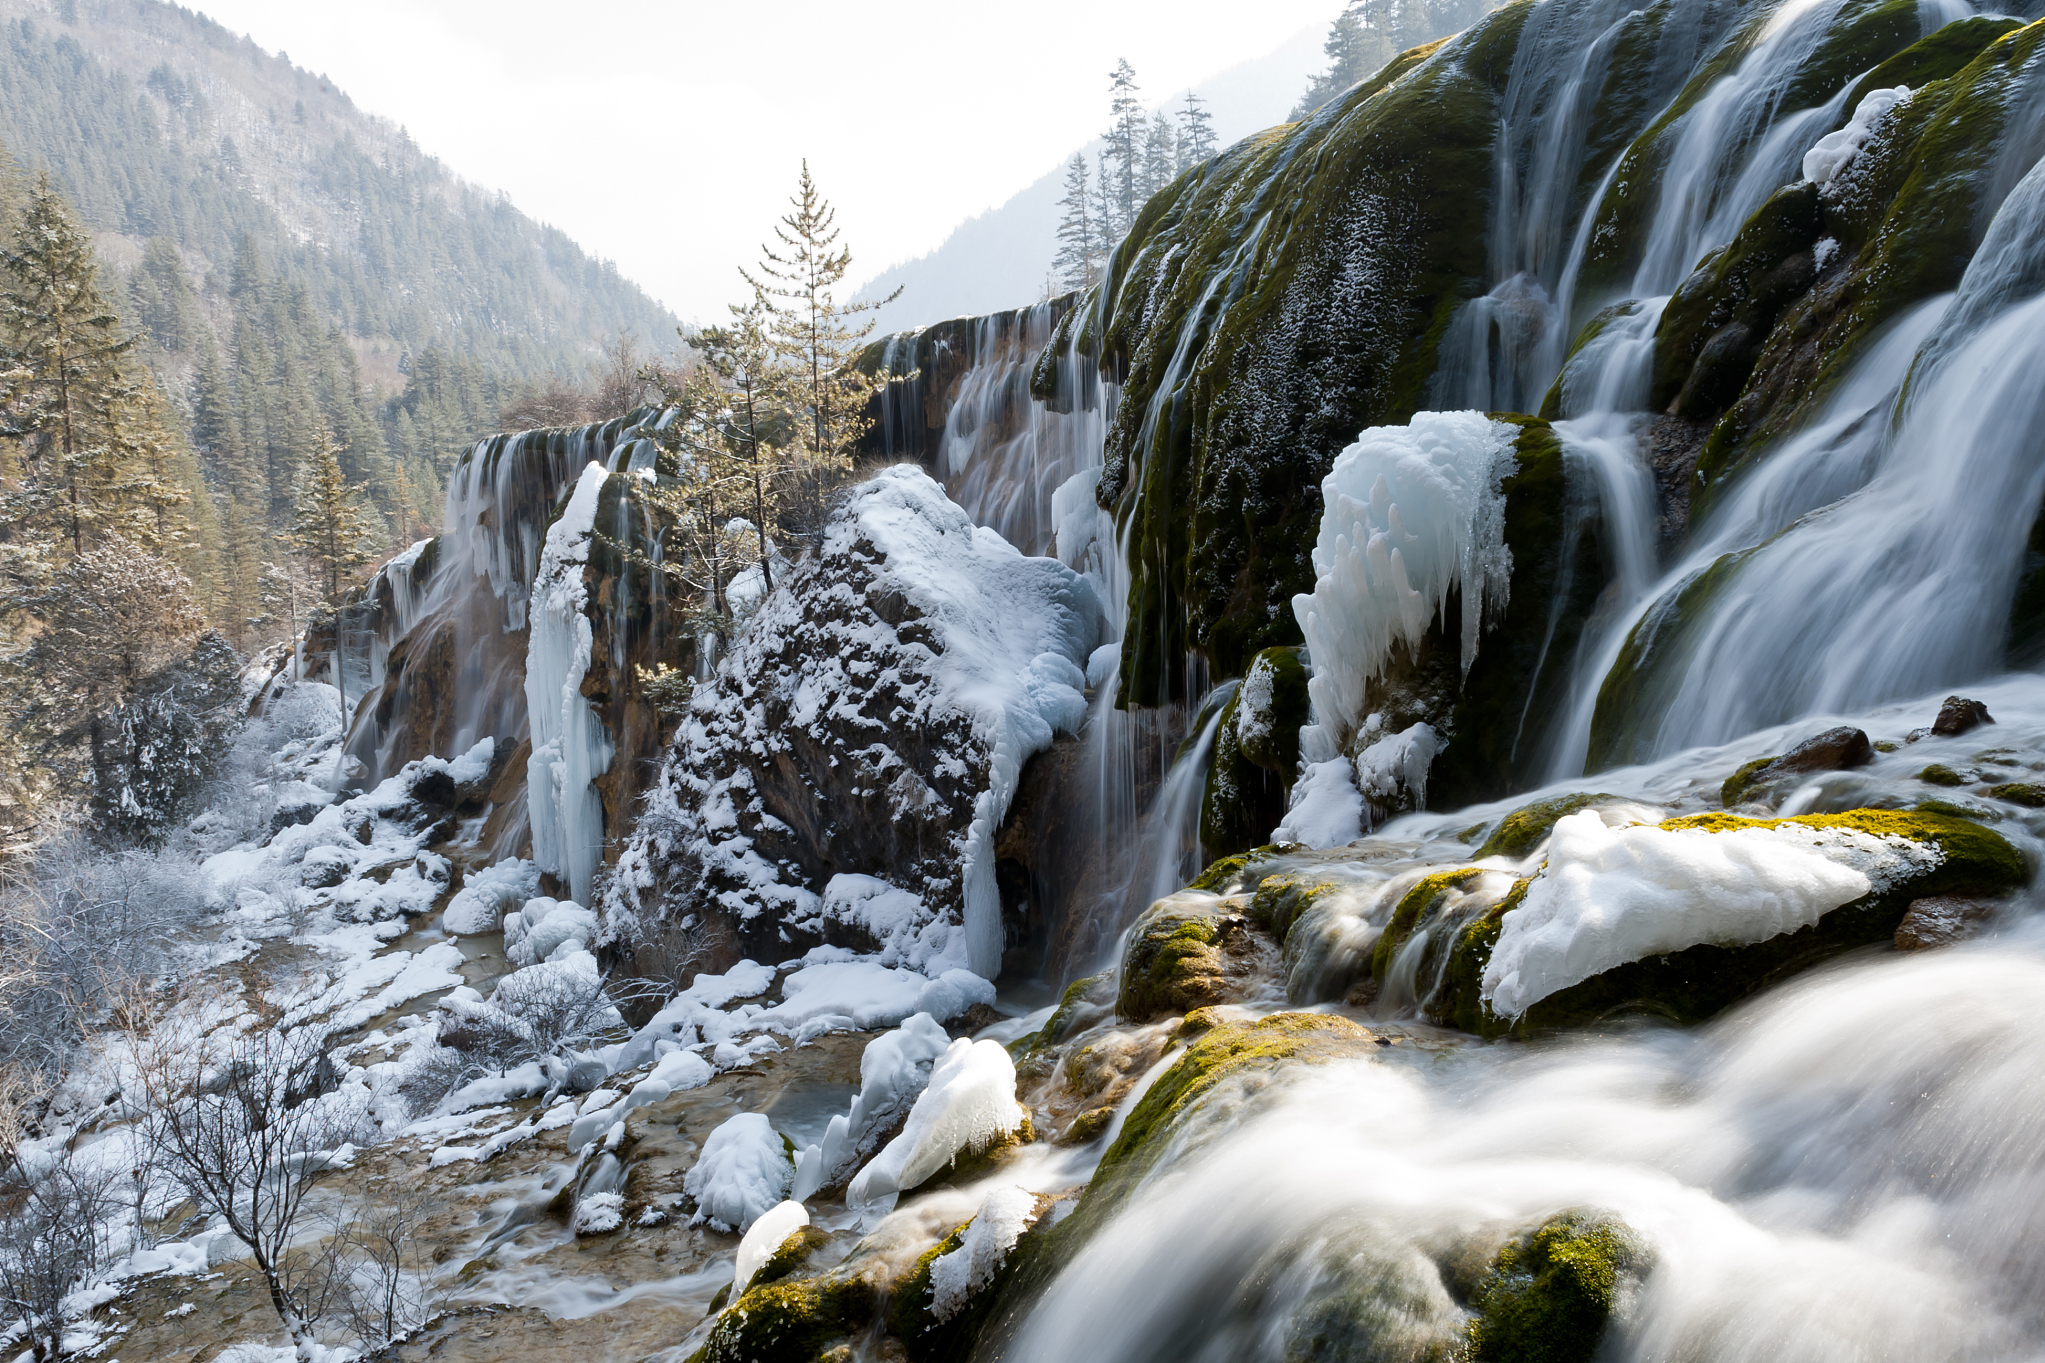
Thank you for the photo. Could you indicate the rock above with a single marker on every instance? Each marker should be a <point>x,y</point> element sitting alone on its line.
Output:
<point>2029,794</point>
<point>1694,983</point>
<point>1941,920</point>
<point>1188,952</point>
<point>1959,715</point>
<point>1838,749</point>
<point>1551,1291</point>
<point>1938,774</point>
<point>1521,831</point>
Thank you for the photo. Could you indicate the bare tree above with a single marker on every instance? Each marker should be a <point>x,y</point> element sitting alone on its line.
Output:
<point>234,1115</point>
<point>54,1212</point>
<point>388,1287</point>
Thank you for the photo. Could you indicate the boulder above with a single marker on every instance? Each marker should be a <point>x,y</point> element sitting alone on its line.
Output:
<point>1840,749</point>
<point>1958,716</point>
<point>1189,951</point>
<point>1941,920</point>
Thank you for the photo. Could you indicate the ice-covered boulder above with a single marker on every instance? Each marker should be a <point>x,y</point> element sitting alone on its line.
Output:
<point>968,1108</point>
<point>742,1173</point>
<point>843,775</point>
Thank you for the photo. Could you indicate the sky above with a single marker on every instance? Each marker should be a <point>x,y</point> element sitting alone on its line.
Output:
<point>667,137</point>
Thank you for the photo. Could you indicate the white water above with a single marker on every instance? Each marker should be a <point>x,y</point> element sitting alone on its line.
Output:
<point>1851,1169</point>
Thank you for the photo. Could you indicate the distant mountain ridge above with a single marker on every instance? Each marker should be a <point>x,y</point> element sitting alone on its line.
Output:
<point>156,121</point>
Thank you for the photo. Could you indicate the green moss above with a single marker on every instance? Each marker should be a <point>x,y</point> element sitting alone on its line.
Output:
<point>1938,774</point>
<point>789,1258</point>
<point>2027,793</point>
<point>1344,245</point>
<point>1522,667</point>
<point>909,1316</point>
<point>1978,813</point>
<point>1550,1292</point>
<point>1173,962</point>
<point>1414,907</point>
<point>1083,1000</point>
<point>1977,860</point>
<point>1231,875</point>
<point>790,1321</point>
<point>1737,786</point>
<point>1243,801</point>
<point>1275,694</point>
<point>1281,900</point>
<point>1947,52</point>
<point>1521,831</point>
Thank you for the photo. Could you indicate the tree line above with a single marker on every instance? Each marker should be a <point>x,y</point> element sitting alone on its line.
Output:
<point>1369,33</point>
<point>1142,154</point>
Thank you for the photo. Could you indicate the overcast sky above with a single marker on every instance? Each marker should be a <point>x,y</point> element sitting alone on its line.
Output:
<point>667,136</point>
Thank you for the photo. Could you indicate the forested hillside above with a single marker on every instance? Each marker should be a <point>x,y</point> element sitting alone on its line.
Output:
<point>292,261</point>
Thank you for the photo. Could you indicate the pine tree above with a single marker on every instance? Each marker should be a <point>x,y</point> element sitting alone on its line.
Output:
<point>330,525</point>
<point>1078,262</point>
<point>64,337</point>
<point>1160,154</point>
<point>818,337</point>
<point>1196,132</point>
<point>1357,45</point>
<point>1122,159</point>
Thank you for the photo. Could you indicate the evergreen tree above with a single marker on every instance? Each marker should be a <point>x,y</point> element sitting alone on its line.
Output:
<point>1358,44</point>
<point>1196,132</point>
<point>68,343</point>
<point>819,337</point>
<point>329,525</point>
<point>1078,263</point>
<point>1122,159</point>
<point>164,307</point>
<point>1160,154</point>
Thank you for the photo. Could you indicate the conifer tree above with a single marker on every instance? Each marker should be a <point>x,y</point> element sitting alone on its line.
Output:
<point>1122,160</point>
<point>63,335</point>
<point>1078,262</point>
<point>1160,154</point>
<point>1196,132</point>
<point>329,524</point>
<point>818,336</point>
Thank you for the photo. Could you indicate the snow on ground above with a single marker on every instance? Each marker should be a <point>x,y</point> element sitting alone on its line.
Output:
<point>1607,896</point>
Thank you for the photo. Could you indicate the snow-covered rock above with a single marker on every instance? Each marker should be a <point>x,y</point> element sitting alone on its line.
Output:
<point>893,1072</point>
<point>766,1236</point>
<point>743,1172</point>
<point>968,1106</point>
<point>842,776</point>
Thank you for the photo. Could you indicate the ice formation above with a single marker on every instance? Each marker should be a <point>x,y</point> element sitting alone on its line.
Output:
<point>1612,895</point>
<point>995,1228</point>
<point>1326,809</point>
<point>570,747</point>
<point>1824,161</point>
<point>1396,766</point>
<point>893,1070</point>
<point>969,1103</point>
<point>742,1173</point>
<point>1411,514</point>
<point>766,1235</point>
<point>540,929</point>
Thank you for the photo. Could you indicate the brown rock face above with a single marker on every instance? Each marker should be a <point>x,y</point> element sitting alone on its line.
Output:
<point>1942,920</point>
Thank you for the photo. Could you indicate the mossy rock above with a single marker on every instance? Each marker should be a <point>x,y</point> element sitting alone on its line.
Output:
<point>1550,1293</point>
<point>1939,774</point>
<point>910,1319</point>
<point>1697,982</point>
<point>1084,1002</point>
<point>1176,959</point>
<point>2029,794</point>
<point>1234,874</point>
<point>1280,900</point>
<point>1243,800</point>
<point>794,1320</point>
<point>790,1258</point>
<point>1521,831</point>
<point>1415,907</point>
<point>1272,707</point>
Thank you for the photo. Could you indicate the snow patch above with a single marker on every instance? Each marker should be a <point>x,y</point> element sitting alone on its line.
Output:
<point>1000,1222</point>
<point>1326,810</point>
<point>766,1236</point>
<point>1824,161</point>
<point>1611,895</point>
<point>742,1172</point>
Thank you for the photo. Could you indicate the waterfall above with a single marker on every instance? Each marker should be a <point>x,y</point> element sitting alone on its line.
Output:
<point>1894,587</point>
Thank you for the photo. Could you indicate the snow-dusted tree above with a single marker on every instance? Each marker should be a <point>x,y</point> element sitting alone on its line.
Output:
<point>1078,262</point>
<point>1196,132</point>
<point>1160,154</point>
<point>818,337</point>
<point>152,754</point>
<point>1122,159</point>
<point>330,524</point>
<point>54,1212</point>
<point>235,1114</point>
